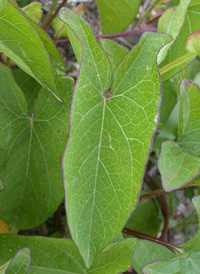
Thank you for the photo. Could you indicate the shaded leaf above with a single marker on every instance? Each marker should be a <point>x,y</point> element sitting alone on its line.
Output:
<point>28,53</point>
<point>29,86</point>
<point>149,223</point>
<point>179,161</point>
<point>19,264</point>
<point>31,148</point>
<point>147,252</point>
<point>55,256</point>
<point>117,15</point>
<point>34,11</point>
<point>114,51</point>
<point>113,119</point>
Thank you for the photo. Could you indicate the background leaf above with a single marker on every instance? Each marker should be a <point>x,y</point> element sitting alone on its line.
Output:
<point>120,115</point>
<point>56,256</point>
<point>149,223</point>
<point>147,252</point>
<point>179,161</point>
<point>178,48</point>
<point>114,51</point>
<point>31,148</point>
<point>29,54</point>
<point>117,15</point>
<point>34,11</point>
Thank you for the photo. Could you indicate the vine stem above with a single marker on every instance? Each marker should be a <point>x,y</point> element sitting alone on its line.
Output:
<point>48,22</point>
<point>147,12</point>
<point>49,13</point>
<point>163,203</point>
<point>151,238</point>
<point>161,191</point>
<point>114,35</point>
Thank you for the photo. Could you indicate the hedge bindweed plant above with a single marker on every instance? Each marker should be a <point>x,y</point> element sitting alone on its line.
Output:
<point>89,143</point>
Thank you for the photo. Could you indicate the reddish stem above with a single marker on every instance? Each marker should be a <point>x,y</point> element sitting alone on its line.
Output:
<point>114,35</point>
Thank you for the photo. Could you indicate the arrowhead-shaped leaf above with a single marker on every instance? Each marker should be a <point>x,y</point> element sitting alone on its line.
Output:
<point>56,256</point>
<point>31,148</point>
<point>19,264</point>
<point>20,40</point>
<point>179,161</point>
<point>117,15</point>
<point>113,118</point>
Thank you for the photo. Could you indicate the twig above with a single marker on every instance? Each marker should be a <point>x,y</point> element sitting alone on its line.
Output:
<point>115,35</point>
<point>151,238</point>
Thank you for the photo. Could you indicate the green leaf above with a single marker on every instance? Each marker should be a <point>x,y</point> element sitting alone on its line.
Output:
<point>29,86</point>
<point>31,148</point>
<point>34,11</point>
<point>149,223</point>
<point>21,42</point>
<point>179,161</point>
<point>175,18</point>
<point>61,29</point>
<point>61,256</point>
<point>194,243</point>
<point>193,42</point>
<point>169,100</point>
<point>187,263</point>
<point>147,252</point>
<point>169,132</point>
<point>20,263</point>
<point>2,5</point>
<point>114,51</point>
<point>116,16</point>
<point>2,185</point>
<point>180,29</point>
<point>113,119</point>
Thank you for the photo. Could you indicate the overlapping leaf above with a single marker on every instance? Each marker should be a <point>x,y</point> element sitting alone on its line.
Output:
<point>56,256</point>
<point>179,162</point>
<point>31,148</point>
<point>34,11</point>
<point>19,264</point>
<point>21,42</point>
<point>114,51</point>
<point>112,122</point>
<point>178,48</point>
<point>117,15</point>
